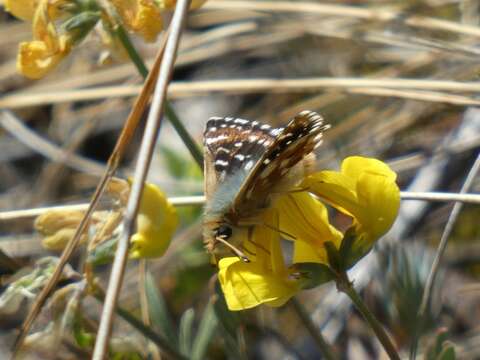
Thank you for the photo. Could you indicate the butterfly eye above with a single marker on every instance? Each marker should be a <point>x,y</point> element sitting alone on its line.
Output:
<point>223,231</point>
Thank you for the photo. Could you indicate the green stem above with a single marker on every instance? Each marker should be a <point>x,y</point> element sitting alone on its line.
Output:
<point>169,111</point>
<point>325,348</point>
<point>345,285</point>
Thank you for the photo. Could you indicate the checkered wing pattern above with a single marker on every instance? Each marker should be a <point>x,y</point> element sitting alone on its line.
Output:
<point>245,160</point>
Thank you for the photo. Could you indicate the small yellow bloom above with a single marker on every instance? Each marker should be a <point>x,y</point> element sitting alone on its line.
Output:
<point>141,16</point>
<point>35,58</point>
<point>263,280</point>
<point>365,190</point>
<point>156,222</point>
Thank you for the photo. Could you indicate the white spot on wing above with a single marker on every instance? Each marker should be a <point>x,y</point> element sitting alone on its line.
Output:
<point>249,164</point>
<point>221,162</point>
<point>276,132</point>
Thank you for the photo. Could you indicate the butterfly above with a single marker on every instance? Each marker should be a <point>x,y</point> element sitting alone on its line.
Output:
<point>246,164</point>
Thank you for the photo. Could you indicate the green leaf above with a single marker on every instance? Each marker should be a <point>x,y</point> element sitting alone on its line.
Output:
<point>440,348</point>
<point>448,352</point>
<point>158,310</point>
<point>314,274</point>
<point>186,331</point>
<point>205,333</point>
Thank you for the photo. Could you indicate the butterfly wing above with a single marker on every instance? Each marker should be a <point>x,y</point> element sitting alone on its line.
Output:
<point>232,148</point>
<point>292,143</point>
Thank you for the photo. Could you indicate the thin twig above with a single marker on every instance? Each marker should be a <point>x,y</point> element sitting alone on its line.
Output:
<point>113,162</point>
<point>143,163</point>
<point>427,292</point>
<point>197,200</point>
<point>31,213</point>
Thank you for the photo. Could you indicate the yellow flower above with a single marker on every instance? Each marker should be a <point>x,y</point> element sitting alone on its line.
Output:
<point>365,190</point>
<point>25,9</point>
<point>141,16</point>
<point>263,280</point>
<point>156,222</point>
<point>35,58</point>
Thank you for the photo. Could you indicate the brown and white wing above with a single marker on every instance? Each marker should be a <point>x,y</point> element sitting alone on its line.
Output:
<point>232,147</point>
<point>291,145</point>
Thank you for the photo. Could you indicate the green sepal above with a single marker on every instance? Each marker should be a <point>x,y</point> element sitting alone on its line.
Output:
<point>81,24</point>
<point>314,274</point>
<point>334,259</point>
<point>103,253</point>
<point>352,248</point>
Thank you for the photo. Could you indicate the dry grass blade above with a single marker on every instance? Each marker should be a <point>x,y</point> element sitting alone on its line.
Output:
<point>29,138</point>
<point>374,14</point>
<point>122,142</point>
<point>427,292</point>
<point>143,164</point>
<point>377,87</point>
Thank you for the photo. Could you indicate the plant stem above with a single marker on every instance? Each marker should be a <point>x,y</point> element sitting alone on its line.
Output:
<point>325,348</point>
<point>169,111</point>
<point>345,285</point>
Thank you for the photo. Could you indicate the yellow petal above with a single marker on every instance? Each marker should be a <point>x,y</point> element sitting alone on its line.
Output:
<point>156,222</point>
<point>306,253</point>
<point>22,9</point>
<point>141,16</point>
<point>364,189</point>
<point>380,199</point>
<point>35,59</point>
<point>335,188</point>
<point>354,166</point>
<point>38,57</point>
<point>246,285</point>
<point>170,4</point>
<point>303,218</point>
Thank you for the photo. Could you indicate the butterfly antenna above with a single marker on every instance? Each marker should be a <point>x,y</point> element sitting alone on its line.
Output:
<point>236,251</point>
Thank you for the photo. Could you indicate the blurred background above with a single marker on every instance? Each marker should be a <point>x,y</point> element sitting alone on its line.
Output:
<point>351,61</point>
